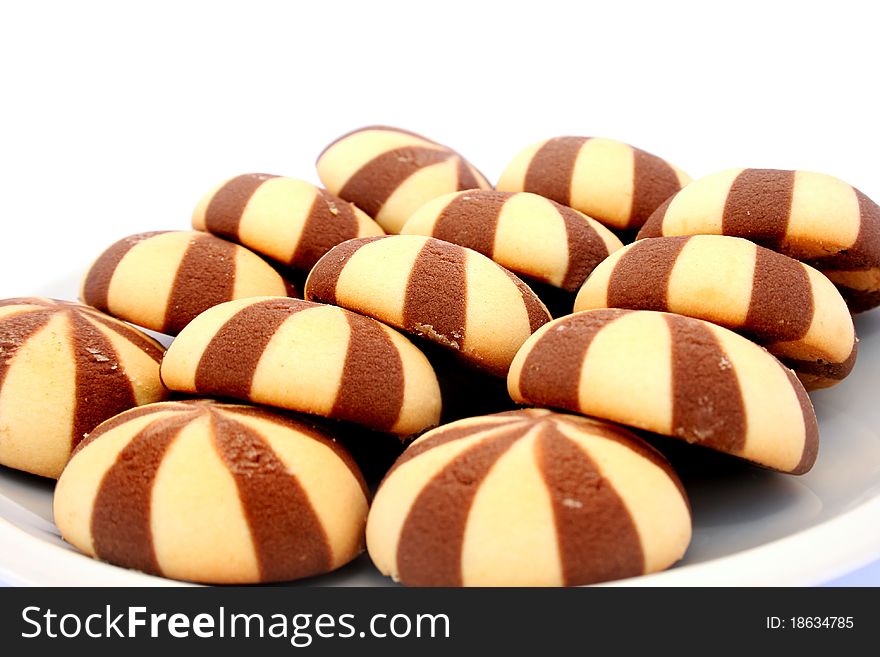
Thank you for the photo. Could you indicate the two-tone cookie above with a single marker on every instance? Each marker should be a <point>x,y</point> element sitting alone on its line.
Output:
<point>786,306</point>
<point>213,493</point>
<point>448,294</point>
<point>615,183</point>
<point>673,375</point>
<point>306,357</point>
<point>389,173</point>
<point>809,216</point>
<point>285,219</point>
<point>527,498</point>
<point>161,280</point>
<point>64,369</point>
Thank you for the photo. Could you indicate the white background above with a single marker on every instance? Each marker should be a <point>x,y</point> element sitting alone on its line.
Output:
<point>116,119</point>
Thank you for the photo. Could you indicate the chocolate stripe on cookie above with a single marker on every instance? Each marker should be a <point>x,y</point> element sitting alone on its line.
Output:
<point>811,427</point>
<point>121,531</point>
<point>330,221</point>
<point>325,274</point>
<point>586,248</point>
<point>152,349</point>
<point>372,185</point>
<point>469,223</point>
<point>781,308</point>
<point>122,418</point>
<point>204,279</point>
<point>654,225</point>
<point>289,539</point>
<point>552,377</point>
<point>551,168</point>
<point>102,387</point>
<point>97,283</point>
<point>15,331</point>
<point>866,249</point>
<point>595,532</point>
<point>707,404</point>
<point>437,519</point>
<point>435,302</point>
<point>242,340</point>
<point>654,181</point>
<point>758,206</point>
<point>466,178</point>
<point>224,212</point>
<point>640,278</point>
<point>372,384</point>
<point>538,315</point>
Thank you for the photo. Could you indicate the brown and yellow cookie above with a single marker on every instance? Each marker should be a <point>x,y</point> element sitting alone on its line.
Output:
<point>161,280</point>
<point>214,493</point>
<point>672,375</point>
<point>528,234</point>
<point>64,369</point>
<point>615,183</point>
<point>306,357</point>
<point>288,220</point>
<point>527,498</point>
<point>389,173</point>
<point>786,306</point>
<point>809,216</point>
<point>448,294</point>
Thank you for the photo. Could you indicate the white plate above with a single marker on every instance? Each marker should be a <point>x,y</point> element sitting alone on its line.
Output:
<point>751,526</point>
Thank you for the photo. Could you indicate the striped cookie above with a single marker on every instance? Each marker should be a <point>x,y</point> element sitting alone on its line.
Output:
<point>672,375</point>
<point>214,493</point>
<point>527,498</point>
<point>389,173</point>
<point>306,357</point>
<point>615,183</point>
<point>161,280</point>
<point>809,216</point>
<point>64,369</point>
<point>526,233</point>
<point>288,220</point>
<point>446,293</point>
<point>787,306</point>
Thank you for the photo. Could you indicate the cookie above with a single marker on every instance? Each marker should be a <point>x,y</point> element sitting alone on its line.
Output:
<point>288,220</point>
<point>614,183</point>
<point>213,493</point>
<point>527,498</point>
<point>809,216</point>
<point>446,293</point>
<point>673,375</point>
<point>64,369</point>
<point>306,357</point>
<point>161,280</point>
<point>786,306</point>
<point>528,234</point>
<point>389,173</point>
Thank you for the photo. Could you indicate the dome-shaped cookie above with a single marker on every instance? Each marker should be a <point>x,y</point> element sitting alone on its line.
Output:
<point>446,293</point>
<point>527,498</point>
<point>288,220</point>
<point>64,369</point>
<point>528,234</point>
<point>214,493</point>
<point>810,216</point>
<point>306,357</point>
<point>161,280</point>
<point>786,306</point>
<point>614,183</point>
<point>672,375</point>
<point>389,173</point>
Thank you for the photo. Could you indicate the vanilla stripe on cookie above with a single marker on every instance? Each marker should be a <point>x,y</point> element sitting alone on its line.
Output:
<point>786,306</point>
<point>445,293</point>
<point>529,498</point>
<point>673,375</point>
<point>805,215</point>
<point>306,357</point>
<point>285,219</point>
<point>162,280</point>
<point>214,493</point>
<point>389,173</point>
<point>616,184</point>
<point>528,234</point>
